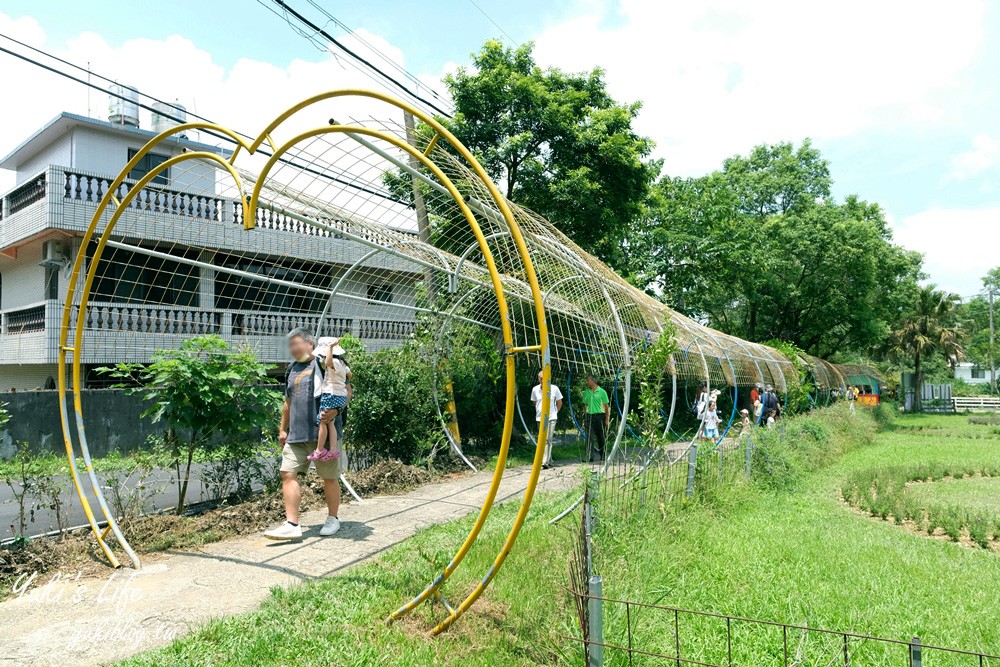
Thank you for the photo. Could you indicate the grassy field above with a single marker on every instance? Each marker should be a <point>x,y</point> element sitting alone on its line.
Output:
<point>807,558</point>
<point>977,495</point>
<point>521,620</point>
<point>788,549</point>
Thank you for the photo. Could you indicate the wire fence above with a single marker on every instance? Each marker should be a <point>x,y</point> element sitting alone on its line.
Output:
<point>626,632</point>
<point>687,637</point>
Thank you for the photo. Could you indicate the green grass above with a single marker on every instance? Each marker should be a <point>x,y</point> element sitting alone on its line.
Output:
<point>785,548</point>
<point>977,495</point>
<point>521,620</point>
<point>807,558</point>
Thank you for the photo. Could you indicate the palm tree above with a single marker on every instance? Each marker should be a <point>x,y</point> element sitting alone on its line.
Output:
<point>931,327</point>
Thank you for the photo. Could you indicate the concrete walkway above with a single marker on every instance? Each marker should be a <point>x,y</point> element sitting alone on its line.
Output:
<point>98,621</point>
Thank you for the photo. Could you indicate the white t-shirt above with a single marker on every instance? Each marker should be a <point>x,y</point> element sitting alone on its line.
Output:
<point>536,397</point>
<point>711,419</point>
<point>334,379</point>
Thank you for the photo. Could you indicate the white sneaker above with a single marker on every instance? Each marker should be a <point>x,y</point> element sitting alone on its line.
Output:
<point>331,526</point>
<point>285,531</point>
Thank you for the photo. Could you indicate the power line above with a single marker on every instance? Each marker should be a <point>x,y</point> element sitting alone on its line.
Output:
<point>490,19</point>
<point>318,30</point>
<point>177,119</point>
<point>392,63</point>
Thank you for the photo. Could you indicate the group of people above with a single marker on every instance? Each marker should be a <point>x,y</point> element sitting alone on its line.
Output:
<point>766,405</point>
<point>597,418</point>
<point>764,401</point>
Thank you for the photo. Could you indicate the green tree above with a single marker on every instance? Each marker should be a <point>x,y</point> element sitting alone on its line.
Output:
<point>201,391</point>
<point>929,328</point>
<point>980,346</point>
<point>556,142</point>
<point>760,250</point>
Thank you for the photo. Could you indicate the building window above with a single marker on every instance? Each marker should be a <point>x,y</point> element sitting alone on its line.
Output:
<point>125,276</point>
<point>978,373</point>
<point>148,163</point>
<point>380,292</point>
<point>51,282</point>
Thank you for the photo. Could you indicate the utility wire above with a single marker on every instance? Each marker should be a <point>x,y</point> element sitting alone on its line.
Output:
<point>490,19</point>
<point>287,161</point>
<point>333,40</point>
<point>392,63</point>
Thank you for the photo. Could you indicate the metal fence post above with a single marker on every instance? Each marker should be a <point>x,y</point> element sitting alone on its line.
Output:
<point>596,592</point>
<point>915,660</point>
<point>692,463</point>
<point>749,453</point>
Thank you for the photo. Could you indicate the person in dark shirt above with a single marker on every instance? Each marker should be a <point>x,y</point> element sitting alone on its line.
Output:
<point>297,435</point>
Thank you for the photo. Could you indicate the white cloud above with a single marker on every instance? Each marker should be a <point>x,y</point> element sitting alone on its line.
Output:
<point>244,97</point>
<point>959,246</point>
<point>717,77</point>
<point>983,155</point>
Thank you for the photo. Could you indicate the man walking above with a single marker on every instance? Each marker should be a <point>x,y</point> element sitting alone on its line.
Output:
<point>555,404</point>
<point>598,418</point>
<point>297,434</point>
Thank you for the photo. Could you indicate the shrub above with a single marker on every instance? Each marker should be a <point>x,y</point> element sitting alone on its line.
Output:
<point>800,444</point>
<point>392,411</point>
<point>200,390</point>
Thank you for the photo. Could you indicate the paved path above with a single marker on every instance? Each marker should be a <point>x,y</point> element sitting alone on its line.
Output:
<point>99,621</point>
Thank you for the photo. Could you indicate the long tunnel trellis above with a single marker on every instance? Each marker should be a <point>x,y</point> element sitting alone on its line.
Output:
<point>551,299</point>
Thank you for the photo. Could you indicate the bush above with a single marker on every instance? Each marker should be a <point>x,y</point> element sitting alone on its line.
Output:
<point>800,444</point>
<point>393,413</point>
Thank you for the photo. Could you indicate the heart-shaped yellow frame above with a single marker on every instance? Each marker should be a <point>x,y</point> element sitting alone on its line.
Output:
<point>249,203</point>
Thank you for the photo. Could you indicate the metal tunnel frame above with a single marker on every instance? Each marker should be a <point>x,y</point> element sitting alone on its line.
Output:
<point>78,296</point>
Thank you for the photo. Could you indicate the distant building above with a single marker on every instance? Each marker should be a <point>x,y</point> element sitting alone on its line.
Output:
<point>974,373</point>
<point>61,173</point>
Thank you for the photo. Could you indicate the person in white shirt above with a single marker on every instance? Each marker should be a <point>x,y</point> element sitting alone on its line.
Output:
<point>556,401</point>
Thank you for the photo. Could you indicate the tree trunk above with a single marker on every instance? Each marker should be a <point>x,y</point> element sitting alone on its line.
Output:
<point>918,383</point>
<point>182,485</point>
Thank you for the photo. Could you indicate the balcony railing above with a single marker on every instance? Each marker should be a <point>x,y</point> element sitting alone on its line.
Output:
<point>78,186</point>
<point>87,188</point>
<point>26,194</point>
<point>184,321</point>
<point>386,329</point>
<point>149,319</point>
<point>279,324</point>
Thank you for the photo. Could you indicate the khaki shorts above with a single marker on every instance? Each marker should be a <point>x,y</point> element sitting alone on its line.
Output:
<point>293,459</point>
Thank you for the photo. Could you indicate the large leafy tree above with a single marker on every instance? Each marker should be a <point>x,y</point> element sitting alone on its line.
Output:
<point>556,142</point>
<point>930,327</point>
<point>759,249</point>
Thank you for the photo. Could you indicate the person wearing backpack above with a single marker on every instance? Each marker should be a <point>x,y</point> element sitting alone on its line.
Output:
<point>298,434</point>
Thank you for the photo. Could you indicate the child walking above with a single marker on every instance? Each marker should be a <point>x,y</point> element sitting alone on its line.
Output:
<point>711,422</point>
<point>332,392</point>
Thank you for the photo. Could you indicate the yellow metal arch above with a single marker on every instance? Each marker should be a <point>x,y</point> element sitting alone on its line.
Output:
<point>249,209</point>
<point>121,206</point>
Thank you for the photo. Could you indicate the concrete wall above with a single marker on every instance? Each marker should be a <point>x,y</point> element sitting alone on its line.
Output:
<point>24,377</point>
<point>111,416</point>
<point>59,152</point>
<point>964,372</point>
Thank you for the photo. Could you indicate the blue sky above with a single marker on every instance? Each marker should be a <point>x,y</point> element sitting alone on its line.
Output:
<point>901,97</point>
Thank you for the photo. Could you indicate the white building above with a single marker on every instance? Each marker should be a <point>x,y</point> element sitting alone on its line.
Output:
<point>61,173</point>
<point>973,373</point>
